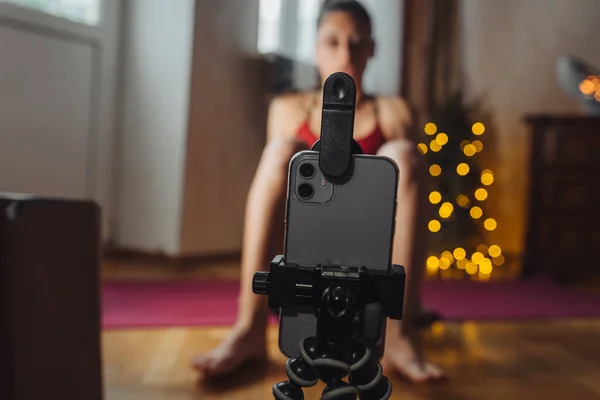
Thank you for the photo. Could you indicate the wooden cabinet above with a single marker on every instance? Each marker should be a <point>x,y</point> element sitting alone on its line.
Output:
<point>50,312</point>
<point>563,226</point>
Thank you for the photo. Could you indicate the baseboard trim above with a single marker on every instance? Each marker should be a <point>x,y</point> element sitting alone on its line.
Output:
<point>165,260</point>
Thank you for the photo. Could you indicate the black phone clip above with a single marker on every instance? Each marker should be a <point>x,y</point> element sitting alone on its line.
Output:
<point>336,144</point>
<point>351,303</point>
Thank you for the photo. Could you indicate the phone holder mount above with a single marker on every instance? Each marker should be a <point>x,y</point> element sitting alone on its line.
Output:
<point>351,303</point>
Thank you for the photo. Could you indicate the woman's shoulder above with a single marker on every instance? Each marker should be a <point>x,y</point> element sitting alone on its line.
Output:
<point>293,101</point>
<point>287,111</point>
<point>395,116</point>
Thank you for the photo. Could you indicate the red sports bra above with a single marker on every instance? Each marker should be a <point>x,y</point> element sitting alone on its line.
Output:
<point>370,144</point>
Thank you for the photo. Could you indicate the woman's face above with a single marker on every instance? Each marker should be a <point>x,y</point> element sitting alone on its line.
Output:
<point>343,45</point>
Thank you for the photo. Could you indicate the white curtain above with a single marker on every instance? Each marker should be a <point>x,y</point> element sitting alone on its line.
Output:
<point>288,28</point>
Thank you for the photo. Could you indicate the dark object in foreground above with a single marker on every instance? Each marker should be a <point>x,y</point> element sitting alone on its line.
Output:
<point>49,299</point>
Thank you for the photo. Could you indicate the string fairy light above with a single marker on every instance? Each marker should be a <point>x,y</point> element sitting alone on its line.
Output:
<point>435,197</point>
<point>481,194</point>
<point>480,262</point>
<point>478,128</point>
<point>441,138</point>
<point>462,169</point>
<point>430,128</point>
<point>590,87</point>
<point>435,146</point>
<point>435,170</point>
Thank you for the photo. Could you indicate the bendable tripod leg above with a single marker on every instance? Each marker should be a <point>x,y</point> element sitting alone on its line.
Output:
<point>300,373</point>
<point>367,376</point>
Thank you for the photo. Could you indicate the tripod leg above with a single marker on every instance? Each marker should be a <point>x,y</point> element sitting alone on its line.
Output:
<point>367,376</point>
<point>301,375</point>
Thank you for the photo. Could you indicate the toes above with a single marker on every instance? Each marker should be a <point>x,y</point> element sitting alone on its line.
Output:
<point>433,372</point>
<point>412,371</point>
<point>199,362</point>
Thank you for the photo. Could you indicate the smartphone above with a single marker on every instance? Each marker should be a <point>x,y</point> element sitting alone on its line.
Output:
<point>348,224</point>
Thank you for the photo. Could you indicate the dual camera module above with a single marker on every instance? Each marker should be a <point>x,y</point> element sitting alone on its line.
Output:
<point>306,190</point>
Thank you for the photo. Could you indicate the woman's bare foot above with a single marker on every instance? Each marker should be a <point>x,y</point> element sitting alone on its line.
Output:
<point>242,345</point>
<point>401,357</point>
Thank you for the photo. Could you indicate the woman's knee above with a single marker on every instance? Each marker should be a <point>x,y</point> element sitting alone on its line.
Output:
<point>278,153</point>
<point>404,152</point>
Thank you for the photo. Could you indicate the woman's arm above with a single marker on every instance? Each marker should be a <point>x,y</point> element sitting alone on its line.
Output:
<point>285,116</point>
<point>396,118</point>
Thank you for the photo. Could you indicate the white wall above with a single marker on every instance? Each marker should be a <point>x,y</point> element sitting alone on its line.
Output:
<point>46,113</point>
<point>57,105</point>
<point>509,57</point>
<point>157,54</point>
<point>384,72</point>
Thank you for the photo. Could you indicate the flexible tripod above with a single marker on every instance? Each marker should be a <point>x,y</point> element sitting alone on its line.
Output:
<point>351,303</point>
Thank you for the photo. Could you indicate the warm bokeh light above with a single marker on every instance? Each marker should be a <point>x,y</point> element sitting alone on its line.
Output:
<point>459,253</point>
<point>482,248</point>
<point>485,267</point>
<point>441,139</point>
<point>446,210</point>
<point>434,225</point>
<point>462,169</point>
<point>444,263</point>
<point>463,143</point>
<point>437,329</point>
<point>463,201</point>
<point>432,269</point>
<point>487,178</point>
<point>430,128</point>
<point>422,148</point>
<point>448,256</point>
<point>478,128</point>
<point>494,250</point>
<point>433,262</point>
<point>471,268</point>
<point>435,146</point>
<point>478,145</point>
<point>484,277</point>
<point>461,264</point>
<point>476,212</point>
<point>490,224</point>
<point>435,170</point>
<point>498,260</point>
<point>477,257</point>
<point>597,96</point>
<point>435,197</point>
<point>587,87</point>
<point>470,150</point>
<point>481,194</point>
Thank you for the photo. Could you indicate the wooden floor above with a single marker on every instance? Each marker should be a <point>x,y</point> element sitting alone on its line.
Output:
<point>536,360</point>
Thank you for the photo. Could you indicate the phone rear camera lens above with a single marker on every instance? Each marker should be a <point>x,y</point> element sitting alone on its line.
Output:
<point>306,191</point>
<point>307,170</point>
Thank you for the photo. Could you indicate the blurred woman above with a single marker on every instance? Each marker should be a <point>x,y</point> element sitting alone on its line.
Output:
<point>383,127</point>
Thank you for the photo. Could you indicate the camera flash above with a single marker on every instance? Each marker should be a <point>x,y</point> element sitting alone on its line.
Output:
<point>323,182</point>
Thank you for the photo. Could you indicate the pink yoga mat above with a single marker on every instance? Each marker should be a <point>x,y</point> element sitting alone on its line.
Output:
<point>154,304</point>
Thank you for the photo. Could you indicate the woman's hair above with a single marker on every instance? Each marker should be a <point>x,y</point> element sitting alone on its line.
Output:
<point>352,7</point>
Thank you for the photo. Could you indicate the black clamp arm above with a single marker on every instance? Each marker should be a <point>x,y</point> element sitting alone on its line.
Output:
<point>336,144</point>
